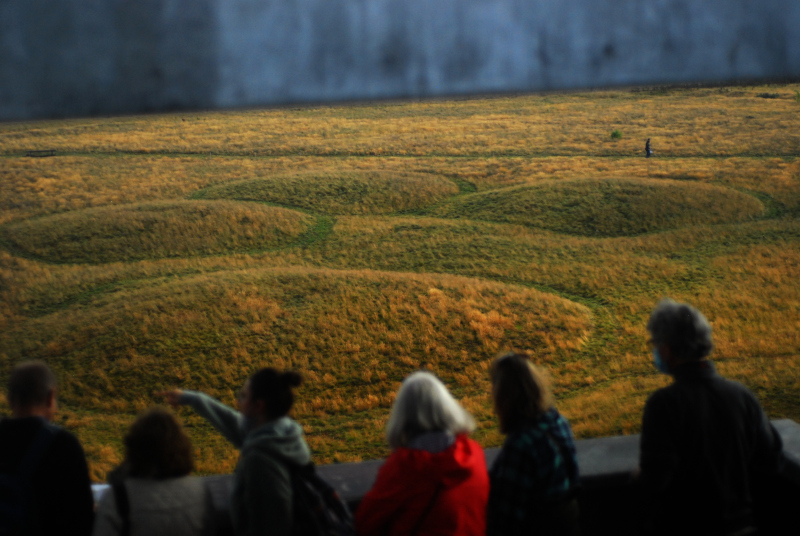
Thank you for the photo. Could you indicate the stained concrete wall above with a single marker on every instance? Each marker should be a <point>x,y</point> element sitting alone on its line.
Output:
<point>61,59</point>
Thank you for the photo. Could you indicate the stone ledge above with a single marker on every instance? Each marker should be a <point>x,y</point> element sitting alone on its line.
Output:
<point>606,465</point>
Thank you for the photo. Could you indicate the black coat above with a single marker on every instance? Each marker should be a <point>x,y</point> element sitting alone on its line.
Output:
<point>62,491</point>
<point>704,440</point>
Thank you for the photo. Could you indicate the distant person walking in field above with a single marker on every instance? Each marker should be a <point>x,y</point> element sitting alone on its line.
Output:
<point>271,444</point>
<point>44,479</point>
<point>435,480</point>
<point>704,438</point>
<point>534,481</point>
<point>647,151</point>
<point>156,496</point>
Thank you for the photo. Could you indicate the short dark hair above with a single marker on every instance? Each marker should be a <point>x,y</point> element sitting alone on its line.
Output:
<point>275,389</point>
<point>157,447</point>
<point>521,391</point>
<point>681,327</point>
<point>30,383</point>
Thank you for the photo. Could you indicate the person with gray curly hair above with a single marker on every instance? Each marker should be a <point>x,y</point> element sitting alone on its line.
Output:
<point>704,438</point>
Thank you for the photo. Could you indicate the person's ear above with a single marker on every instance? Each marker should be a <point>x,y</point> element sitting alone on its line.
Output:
<point>51,399</point>
<point>51,405</point>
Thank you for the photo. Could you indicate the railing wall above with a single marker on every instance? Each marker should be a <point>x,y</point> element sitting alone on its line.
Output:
<point>609,501</point>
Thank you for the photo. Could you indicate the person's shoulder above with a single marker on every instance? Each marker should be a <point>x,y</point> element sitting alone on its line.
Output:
<point>283,443</point>
<point>14,427</point>
<point>739,391</point>
<point>262,461</point>
<point>28,429</point>
<point>467,442</point>
<point>524,440</point>
<point>65,441</point>
<point>732,385</point>
<point>662,394</point>
<point>555,419</point>
<point>179,490</point>
<point>65,456</point>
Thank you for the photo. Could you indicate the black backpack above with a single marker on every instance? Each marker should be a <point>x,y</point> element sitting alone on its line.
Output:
<point>17,509</point>
<point>317,508</point>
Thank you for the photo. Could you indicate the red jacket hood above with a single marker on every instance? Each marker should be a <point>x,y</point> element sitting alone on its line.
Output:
<point>450,466</point>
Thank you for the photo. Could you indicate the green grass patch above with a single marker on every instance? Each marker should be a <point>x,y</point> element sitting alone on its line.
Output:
<point>607,207</point>
<point>156,230</point>
<point>336,193</point>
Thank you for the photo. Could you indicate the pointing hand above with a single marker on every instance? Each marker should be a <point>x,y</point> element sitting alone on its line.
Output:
<point>172,396</point>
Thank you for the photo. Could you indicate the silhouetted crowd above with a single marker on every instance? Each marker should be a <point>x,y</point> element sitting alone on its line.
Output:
<point>704,441</point>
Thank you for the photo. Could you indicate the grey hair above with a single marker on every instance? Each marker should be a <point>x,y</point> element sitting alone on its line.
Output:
<point>681,327</point>
<point>424,404</point>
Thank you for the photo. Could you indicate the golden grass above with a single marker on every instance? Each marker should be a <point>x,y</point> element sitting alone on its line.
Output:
<point>757,310</point>
<point>353,335</point>
<point>361,290</point>
<point>607,207</point>
<point>257,315</point>
<point>155,230</point>
<point>342,192</point>
<point>681,122</point>
<point>38,186</point>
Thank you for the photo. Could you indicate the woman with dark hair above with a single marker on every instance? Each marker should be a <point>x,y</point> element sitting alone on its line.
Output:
<point>534,479</point>
<point>270,443</point>
<point>160,497</point>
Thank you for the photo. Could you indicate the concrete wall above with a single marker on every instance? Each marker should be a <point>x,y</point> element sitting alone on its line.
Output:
<point>608,500</point>
<point>60,59</point>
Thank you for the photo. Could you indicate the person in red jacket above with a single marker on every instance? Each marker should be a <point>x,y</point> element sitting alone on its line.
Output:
<point>435,481</point>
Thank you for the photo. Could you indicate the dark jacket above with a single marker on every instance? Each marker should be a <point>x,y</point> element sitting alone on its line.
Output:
<point>62,490</point>
<point>704,439</point>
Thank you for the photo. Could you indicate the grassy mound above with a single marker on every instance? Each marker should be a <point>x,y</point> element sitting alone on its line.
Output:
<point>332,192</point>
<point>607,207</point>
<point>115,330</point>
<point>155,230</point>
<point>354,335</point>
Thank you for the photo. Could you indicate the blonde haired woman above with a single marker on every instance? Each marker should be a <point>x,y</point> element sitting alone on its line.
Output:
<point>435,480</point>
<point>534,479</point>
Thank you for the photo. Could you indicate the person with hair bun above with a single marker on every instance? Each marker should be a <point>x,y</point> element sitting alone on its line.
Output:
<point>534,480</point>
<point>155,484</point>
<point>270,443</point>
<point>435,480</point>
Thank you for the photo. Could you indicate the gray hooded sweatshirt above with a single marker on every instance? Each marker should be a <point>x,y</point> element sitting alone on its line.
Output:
<point>261,502</point>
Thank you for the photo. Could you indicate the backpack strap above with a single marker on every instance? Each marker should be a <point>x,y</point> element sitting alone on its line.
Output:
<point>123,506</point>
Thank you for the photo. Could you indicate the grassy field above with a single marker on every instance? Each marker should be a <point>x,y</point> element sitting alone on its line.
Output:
<point>357,244</point>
